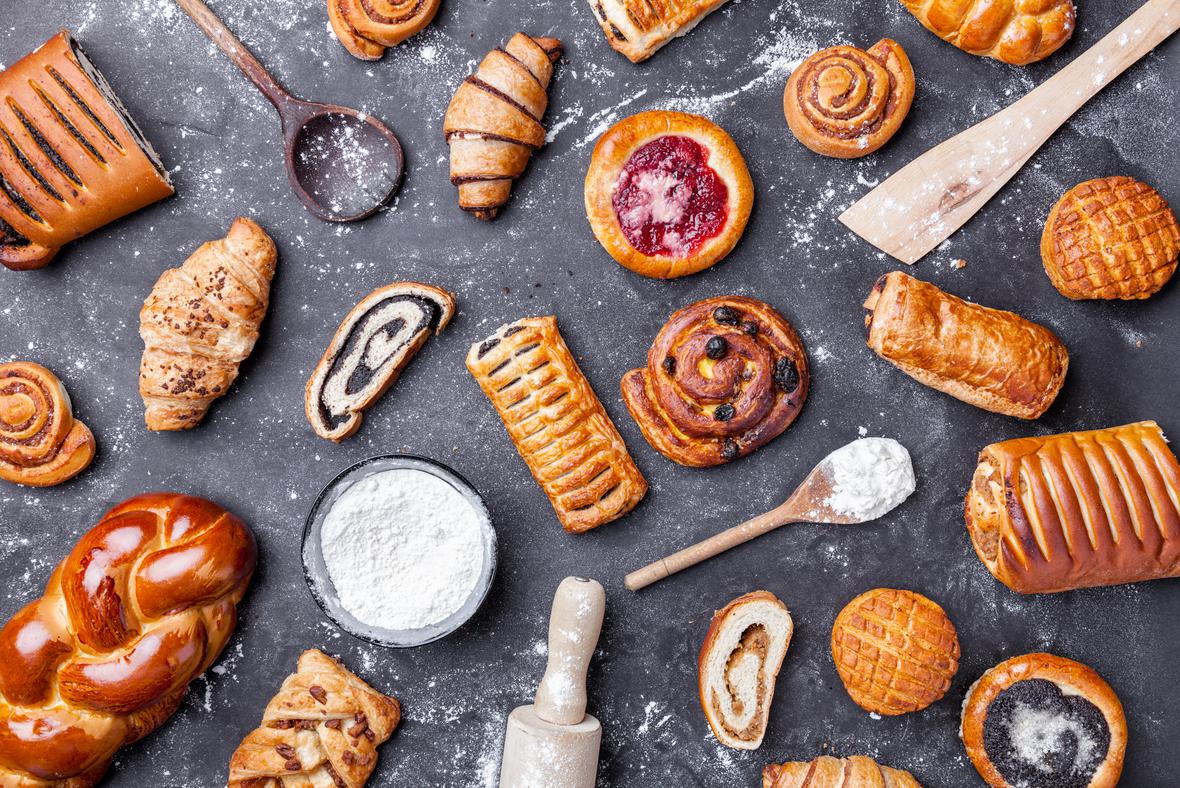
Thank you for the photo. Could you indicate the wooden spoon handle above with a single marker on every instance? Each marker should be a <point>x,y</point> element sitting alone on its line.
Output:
<point>703,550</point>
<point>236,51</point>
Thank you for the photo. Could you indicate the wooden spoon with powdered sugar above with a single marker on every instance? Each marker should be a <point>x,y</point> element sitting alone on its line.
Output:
<point>856,483</point>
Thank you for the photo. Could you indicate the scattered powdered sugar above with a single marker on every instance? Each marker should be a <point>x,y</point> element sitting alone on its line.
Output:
<point>870,477</point>
<point>404,549</point>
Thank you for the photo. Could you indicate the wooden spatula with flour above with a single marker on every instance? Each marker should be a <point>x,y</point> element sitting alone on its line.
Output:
<point>920,205</point>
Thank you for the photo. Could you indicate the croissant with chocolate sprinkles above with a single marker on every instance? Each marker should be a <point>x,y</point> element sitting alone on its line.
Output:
<point>493,123</point>
<point>322,728</point>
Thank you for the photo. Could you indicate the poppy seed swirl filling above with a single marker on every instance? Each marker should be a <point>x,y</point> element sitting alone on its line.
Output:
<point>1038,736</point>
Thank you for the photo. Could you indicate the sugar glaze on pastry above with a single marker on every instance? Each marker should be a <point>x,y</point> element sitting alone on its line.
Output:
<point>374,343</point>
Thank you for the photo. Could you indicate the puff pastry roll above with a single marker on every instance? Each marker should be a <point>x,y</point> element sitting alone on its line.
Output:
<point>1014,32</point>
<point>557,422</point>
<point>637,28</point>
<point>988,358</point>
<point>1081,509</point>
<point>856,771</point>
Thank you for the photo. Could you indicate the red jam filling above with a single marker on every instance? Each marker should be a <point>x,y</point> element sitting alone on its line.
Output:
<point>668,200</point>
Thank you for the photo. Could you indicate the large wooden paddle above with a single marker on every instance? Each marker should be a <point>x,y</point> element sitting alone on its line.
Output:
<point>920,205</point>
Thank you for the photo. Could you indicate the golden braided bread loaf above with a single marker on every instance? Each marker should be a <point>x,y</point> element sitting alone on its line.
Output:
<point>200,322</point>
<point>856,771</point>
<point>1081,509</point>
<point>1014,31</point>
<point>896,651</point>
<point>143,604</point>
<point>1110,238</point>
<point>41,443</point>
<point>323,727</point>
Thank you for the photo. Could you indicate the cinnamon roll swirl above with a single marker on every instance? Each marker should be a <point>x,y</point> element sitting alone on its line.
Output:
<point>372,346</point>
<point>366,27</point>
<point>723,377</point>
<point>847,102</point>
<point>41,444</point>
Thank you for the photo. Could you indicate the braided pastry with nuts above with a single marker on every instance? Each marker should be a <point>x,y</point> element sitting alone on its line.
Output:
<point>143,605</point>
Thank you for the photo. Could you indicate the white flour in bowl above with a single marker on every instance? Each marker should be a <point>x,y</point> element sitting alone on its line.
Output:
<point>870,477</point>
<point>404,549</point>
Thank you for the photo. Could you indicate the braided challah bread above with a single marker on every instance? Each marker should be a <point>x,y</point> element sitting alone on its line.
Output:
<point>1014,31</point>
<point>143,604</point>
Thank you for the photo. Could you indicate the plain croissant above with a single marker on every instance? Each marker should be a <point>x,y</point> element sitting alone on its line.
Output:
<point>200,322</point>
<point>493,123</point>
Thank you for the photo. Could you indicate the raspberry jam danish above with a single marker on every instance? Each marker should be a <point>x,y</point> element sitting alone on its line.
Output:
<point>723,377</point>
<point>667,194</point>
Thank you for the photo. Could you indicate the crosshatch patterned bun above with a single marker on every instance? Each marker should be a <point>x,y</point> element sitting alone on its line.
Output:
<point>1110,238</point>
<point>848,102</point>
<point>557,422</point>
<point>366,27</point>
<point>855,771</point>
<point>667,194</point>
<point>895,650</point>
<point>724,377</point>
<point>41,443</point>
<point>143,604</point>
<point>1019,33</point>
<point>1043,721</point>
<point>1081,509</point>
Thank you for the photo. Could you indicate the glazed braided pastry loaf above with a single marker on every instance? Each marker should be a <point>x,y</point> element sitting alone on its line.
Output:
<point>143,604</point>
<point>1014,31</point>
<point>1082,509</point>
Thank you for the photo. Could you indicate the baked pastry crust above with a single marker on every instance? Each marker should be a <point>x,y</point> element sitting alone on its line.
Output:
<point>1016,33</point>
<point>493,123</point>
<point>322,727</point>
<point>732,353</point>
<point>611,154</point>
<point>41,443</point>
<point>376,341</point>
<point>637,28</point>
<point>847,102</point>
<point>558,424</point>
<point>1110,238</point>
<point>988,358</point>
<point>855,771</point>
<point>366,27</point>
<point>1073,678</point>
<point>1076,510</point>
<point>895,650</point>
<point>743,649</point>
<point>73,159</point>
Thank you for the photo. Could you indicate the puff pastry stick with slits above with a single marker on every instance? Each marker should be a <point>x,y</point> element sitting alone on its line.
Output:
<point>637,28</point>
<point>323,727</point>
<point>493,123</point>
<point>856,771</point>
<point>557,422</point>
<point>1077,510</point>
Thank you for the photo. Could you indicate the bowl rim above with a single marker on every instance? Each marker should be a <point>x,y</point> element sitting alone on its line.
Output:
<point>314,547</point>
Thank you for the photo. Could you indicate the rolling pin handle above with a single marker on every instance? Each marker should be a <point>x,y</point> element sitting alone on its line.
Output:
<point>574,626</point>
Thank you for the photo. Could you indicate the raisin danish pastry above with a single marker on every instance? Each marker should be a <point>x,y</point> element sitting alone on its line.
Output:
<point>322,728</point>
<point>847,102</point>
<point>988,358</point>
<point>143,604</point>
<point>895,650</point>
<point>373,344</point>
<point>1043,721</point>
<point>637,28</point>
<point>557,423</point>
<point>1077,510</point>
<point>493,123</point>
<point>855,771</point>
<point>1110,238</point>
<point>738,665</point>
<point>200,322</point>
<point>41,443</point>
<point>77,162</point>
<point>366,27</point>
<point>724,377</point>
<point>1016,33</point>
<point>667,193</point>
